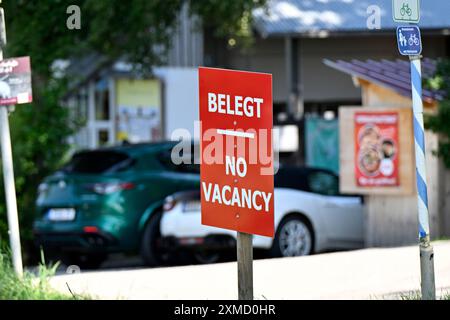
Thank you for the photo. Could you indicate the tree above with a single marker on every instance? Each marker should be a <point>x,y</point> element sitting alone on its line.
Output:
<point>138,30</point>
<point>439,122</point>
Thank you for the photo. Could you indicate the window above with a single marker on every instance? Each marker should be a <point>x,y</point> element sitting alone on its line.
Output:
<point>323,183</point>
<point>188,164</point>
<point>291,178</point>
<point>103,137</point>
<point>102,100</point>
<point>95,162</point>
<point>82,109</point>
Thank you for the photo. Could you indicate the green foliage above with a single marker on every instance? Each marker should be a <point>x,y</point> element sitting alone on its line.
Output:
<point>139,31</point>
<point>229,19</point>
<point>29,287</point>
<point>38,134</point>
<point>111,28</point>
<point>439,122</point>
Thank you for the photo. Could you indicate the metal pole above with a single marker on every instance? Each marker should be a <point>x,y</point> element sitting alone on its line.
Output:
<point>8,173</point>
<point>10,191</point>
<point>294,79</point>
<point>245,265</point>
<point>426,250</point>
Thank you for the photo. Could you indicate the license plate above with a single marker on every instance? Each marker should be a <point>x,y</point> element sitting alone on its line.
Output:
<point>66,214</point>
<point>192,206</point>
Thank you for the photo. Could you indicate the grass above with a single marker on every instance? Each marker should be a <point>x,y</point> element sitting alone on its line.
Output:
<point>415,295</point>
<point>444,238</point>
<point>29,286</point>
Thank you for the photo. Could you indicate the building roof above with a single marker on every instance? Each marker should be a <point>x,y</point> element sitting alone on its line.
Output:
<point>394,75</point>
<point>316,18</point>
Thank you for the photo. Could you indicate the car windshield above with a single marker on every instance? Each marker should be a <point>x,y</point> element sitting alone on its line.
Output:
<point>95,162</point>
<point>316,181</point>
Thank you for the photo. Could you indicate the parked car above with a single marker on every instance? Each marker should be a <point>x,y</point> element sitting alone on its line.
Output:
<point>310,216</point>
<point>108,201</point>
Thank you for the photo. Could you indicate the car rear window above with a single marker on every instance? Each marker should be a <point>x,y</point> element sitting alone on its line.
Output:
<point>188,163</point>
<point>94,162</point>
<point>291,178</point>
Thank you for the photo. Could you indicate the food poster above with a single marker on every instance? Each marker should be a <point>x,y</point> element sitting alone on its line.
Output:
<point>138,110</point>
<point>376,149</point>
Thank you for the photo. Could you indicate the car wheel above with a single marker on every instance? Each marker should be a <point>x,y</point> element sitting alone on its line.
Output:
<point>85,261</point>
<point>151,251</point>
<point>204,257</point>
<point>294,237</point>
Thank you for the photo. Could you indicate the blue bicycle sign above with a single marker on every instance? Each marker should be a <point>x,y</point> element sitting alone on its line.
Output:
<point>409,41</point>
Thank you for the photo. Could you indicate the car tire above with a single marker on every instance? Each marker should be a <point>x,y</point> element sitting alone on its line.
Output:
<point>294,237</point>
<point>206,257</point>
<point>152,255</point>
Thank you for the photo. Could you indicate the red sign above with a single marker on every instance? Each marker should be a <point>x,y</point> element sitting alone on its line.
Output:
<point>376,149</point>
<point>236,150</point>
<point>15,81</point>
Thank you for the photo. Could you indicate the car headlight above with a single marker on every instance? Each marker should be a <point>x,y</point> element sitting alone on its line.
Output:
<point>43,187</point>
<point>169,203</point>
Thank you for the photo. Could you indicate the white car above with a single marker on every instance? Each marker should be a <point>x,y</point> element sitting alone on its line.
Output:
<point>310,216</point>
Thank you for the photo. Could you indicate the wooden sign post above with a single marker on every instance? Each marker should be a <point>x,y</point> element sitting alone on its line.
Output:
<point>245,266</point>
<point>236,171</point>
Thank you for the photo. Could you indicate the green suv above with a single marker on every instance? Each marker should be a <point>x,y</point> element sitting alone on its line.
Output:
<point>109,201</point>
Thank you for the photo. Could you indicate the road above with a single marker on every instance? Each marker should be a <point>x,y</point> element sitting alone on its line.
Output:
<point>363,274</point>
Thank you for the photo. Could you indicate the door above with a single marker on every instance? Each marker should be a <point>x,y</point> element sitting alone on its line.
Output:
<point>343,215</point>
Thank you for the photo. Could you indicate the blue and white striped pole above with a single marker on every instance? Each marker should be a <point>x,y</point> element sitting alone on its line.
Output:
<point>426,250</point>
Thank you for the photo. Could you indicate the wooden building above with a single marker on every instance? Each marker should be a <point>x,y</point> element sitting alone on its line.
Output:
<point>391,212</point>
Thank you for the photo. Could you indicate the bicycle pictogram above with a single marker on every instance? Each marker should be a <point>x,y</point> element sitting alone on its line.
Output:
<point>413,40</point>
<point>405,9</point>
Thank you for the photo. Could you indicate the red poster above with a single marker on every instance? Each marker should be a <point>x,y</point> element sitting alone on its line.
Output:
<point>236,171</point>
<point>376,149</point>
<point>15,81</point>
